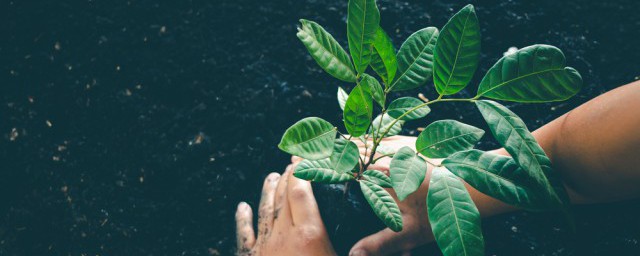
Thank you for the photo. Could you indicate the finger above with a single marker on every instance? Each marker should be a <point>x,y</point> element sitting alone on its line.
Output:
<point>244,228</point>
<point>265,214</point>
<point>296,159</point>
<point>304,208</point>
<point>282,215</point>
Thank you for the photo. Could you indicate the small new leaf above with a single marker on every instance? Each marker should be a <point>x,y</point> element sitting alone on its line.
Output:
<point>342,97</point>
<point>385,123</point>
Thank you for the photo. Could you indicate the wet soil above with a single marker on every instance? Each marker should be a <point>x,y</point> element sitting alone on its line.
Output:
<point>135,127</point>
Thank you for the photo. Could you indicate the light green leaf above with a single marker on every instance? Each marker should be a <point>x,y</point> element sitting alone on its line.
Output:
<point>513,135</point>
<point>358,110</point>
<point>385,123</point>
<point>320,171</point>
<point>310,138</point>
<point>345,155</point>
<point>535,73</point>
<point>376,88</point>
<point>326,51</point>
<point>415,60</point>
<point>457,52</point>
<point>378,178</point>
<point>363,20</point>
<point>499,177</point>
<point>383,60</point>
<point>407,171</point>
<point>455,220</point>
<point>445,137</point>
<point>342,97</point>
<point>400,106</point>
<point>382,204</point>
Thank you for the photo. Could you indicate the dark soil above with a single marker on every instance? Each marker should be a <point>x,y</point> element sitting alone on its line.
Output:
<point>135,127</point>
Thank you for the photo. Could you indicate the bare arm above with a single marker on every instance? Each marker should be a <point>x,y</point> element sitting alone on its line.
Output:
<point>595,148</point>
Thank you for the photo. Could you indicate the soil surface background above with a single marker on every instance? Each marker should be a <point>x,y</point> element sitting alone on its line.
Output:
<point>135,127</point>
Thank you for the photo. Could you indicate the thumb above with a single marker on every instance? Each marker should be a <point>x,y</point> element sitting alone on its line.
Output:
<point>386,242</point>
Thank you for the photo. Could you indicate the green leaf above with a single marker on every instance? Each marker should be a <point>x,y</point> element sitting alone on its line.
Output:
<point>320,171</point>
<point>415,60</point>
<point>382,204</point>
<point>407,171</point>
<point>457,52</point>
<point>383,60</point>
<point>535,73</point>
<point>358,110</point>
<point>326,51</point>
<point>499,177</point>
<point>342,97</point>
<point>455,220</point>
<point>376,88</point>
<point>363,20</point>
<point>400,106</point>
<point>387,122</point>
<point>345,156</point>
<point>386,150</point>
<point>378,178</point>
<point>445,137</point>
<point>310,138</point>
<point>512,133</point>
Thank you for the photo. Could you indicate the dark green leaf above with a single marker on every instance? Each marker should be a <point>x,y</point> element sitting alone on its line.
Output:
<point>532,74</point>
<point>377,177</point>
<point>383,60</point>
<point>512,133</point>
<point>358,110</point>
<point>407,171</point>
<point>310,138</point>
<point>445,137</point>
<point>415,60</point>
<point>376,88</point>
<point>326,51</point>
<point>455,220</point>
<point>345,155</point>
<point>400,106</point>
<point>382,204</point>
<point>457,52</point>
<point>499,177</point>
<point>362,22</point>
<point>320,171</point>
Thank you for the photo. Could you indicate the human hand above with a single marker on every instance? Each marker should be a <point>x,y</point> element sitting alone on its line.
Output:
<point>416,229</point>
<point>289,221</point>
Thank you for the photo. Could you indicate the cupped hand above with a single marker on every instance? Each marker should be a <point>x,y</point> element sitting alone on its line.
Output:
<point>289,221</point>
<point>416,229</point>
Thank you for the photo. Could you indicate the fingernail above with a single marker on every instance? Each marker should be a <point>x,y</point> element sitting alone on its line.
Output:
<point>358,252</point>
<point>242,206</point>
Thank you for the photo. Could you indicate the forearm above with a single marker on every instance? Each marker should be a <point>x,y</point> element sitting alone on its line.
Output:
<point>595,148</point>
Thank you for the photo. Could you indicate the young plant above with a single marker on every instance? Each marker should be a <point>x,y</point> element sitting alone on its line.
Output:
<point>450,57</point>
